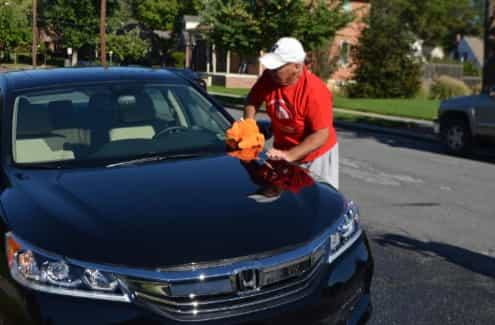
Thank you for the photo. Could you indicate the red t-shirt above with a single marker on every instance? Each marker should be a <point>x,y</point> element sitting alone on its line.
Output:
<point>296,111</point>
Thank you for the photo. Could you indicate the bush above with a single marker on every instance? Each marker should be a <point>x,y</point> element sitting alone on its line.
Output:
<point>445,87</point>
<point>179,59</point>
<point>319,62</point>
<point>476,89</point>
<point>424,90</point>
<point>470,70</point>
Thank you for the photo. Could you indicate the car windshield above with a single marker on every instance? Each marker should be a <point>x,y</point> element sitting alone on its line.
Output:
<point>110,123</point>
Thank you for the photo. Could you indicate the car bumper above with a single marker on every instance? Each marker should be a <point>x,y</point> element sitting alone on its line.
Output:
<point>340,294</point>
<point>436,127</point>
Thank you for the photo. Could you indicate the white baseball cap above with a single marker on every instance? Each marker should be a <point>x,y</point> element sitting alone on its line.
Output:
<point>286,50</point>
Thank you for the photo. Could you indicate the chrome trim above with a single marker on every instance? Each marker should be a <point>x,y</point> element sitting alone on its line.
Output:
<point>276,303</point>
<point>213,272</point>
<point>239,298</point>
<point>345,247</point>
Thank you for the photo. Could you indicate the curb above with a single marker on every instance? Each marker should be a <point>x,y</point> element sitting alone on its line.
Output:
<point>372,128</point>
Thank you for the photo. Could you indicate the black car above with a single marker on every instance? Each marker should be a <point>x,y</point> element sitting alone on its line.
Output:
<point>121,205</point>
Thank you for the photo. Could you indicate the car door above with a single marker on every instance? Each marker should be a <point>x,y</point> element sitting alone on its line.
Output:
<point>485,115</point>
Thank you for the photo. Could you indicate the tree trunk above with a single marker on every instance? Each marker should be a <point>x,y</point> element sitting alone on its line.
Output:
<point>74,58</point>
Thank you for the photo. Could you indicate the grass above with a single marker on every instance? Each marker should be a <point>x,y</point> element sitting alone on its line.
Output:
<point>418,108</point>
<point>16,66</point>
<point>231,91</point>
<point>424,109</point>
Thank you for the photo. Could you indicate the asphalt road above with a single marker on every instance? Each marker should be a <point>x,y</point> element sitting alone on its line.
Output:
<point>430,218</point>
<point>431,221</point>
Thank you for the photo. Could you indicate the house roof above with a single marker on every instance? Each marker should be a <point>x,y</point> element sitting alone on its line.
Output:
<point>476,45</point>
<point>163,34</point>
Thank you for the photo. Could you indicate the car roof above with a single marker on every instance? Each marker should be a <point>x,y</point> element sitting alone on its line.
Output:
<point>42,78</point>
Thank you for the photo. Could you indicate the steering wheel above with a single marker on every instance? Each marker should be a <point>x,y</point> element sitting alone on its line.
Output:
<point>170,130</point>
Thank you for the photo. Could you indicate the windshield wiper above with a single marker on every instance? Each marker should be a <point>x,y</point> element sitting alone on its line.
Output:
<point>155,158</point>
<point>44,166</point>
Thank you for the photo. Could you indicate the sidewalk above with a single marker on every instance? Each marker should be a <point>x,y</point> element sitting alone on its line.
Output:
<point>416,129</point>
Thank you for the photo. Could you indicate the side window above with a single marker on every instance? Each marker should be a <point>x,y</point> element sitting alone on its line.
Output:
<point>200,110</point>
<point>347,7</point>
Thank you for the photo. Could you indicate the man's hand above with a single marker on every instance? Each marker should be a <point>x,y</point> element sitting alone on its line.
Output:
<point>250,111</point>
<point>275,154</point>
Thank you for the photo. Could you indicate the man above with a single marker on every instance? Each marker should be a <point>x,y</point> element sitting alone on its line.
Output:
<point>300,107</point>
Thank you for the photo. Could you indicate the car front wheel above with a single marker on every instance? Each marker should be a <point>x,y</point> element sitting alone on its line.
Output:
<point>457,137</point>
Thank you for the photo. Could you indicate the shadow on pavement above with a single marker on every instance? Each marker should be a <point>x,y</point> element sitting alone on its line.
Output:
<point>475,262</point>
<point>482,155</point>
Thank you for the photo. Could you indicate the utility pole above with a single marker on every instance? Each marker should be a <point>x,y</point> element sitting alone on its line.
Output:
<point>103,33</point>
<point>489,64</point>
<point>35,33</point>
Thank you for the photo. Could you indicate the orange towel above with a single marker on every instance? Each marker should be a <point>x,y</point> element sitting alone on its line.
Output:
<point>244,134</point>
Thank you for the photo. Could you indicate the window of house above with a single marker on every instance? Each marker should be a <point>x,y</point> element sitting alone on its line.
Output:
<point>347,6</point>
<point>344,53</point>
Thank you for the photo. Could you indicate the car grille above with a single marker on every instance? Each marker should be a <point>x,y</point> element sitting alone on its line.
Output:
<point>228,290</point>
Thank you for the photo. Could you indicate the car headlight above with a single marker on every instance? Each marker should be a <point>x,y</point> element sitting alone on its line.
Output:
<point>42,271</point>
<point>346,233</point>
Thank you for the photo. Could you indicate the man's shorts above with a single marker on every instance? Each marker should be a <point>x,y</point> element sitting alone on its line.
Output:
<point>326,166</point>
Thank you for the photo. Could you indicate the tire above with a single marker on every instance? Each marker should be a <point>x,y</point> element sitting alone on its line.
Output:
<point>457,137</point>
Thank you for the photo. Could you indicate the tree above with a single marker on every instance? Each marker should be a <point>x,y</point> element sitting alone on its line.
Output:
<point>232,25</point>
<point>128,47</point>
<point>14,27</point>
<point>250,26</point>
<point>76,22</point>
<point>157,14</point>
<point>438,21</point>
<point>190,7</point>
<point>386,65</point>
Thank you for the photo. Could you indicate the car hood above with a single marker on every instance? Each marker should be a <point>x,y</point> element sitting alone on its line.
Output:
<point>164,214</point>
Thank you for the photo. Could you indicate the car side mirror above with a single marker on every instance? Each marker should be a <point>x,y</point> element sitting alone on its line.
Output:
<point>265,127</point>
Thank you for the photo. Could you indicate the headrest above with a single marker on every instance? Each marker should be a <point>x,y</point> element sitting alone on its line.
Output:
<point>32,120</point>
<point>100,102</point>
<point>142,110</point>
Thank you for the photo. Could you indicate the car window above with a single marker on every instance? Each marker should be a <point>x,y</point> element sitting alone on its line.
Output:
<point>113,122</point>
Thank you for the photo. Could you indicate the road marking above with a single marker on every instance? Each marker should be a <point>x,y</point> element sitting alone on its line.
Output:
<point>362,171</point>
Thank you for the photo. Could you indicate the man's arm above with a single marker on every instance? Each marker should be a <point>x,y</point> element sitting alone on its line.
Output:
<point>250,111</point>
<point>312,142</point>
